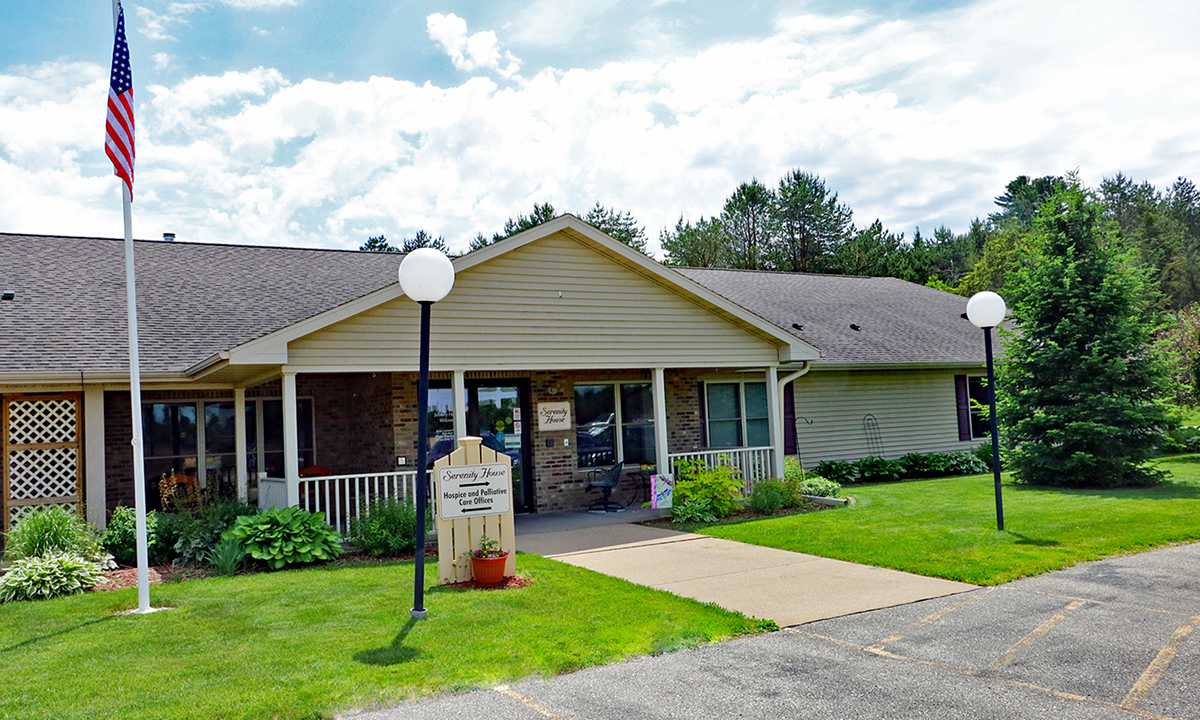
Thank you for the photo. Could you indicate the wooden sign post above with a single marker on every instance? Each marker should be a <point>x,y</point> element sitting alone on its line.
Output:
<point>473,498</point>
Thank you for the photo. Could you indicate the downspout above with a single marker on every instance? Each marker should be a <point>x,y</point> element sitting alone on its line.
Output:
<point>780,384</point>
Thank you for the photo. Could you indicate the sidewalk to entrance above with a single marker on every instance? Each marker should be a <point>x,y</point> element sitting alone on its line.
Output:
<point>789,588</point>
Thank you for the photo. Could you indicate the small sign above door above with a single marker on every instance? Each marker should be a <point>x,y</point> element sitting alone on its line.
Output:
<point>554,416</point>
<point>467,490</point>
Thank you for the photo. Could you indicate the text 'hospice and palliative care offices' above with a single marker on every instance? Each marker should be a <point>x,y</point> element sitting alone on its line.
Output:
<point>467,490</point>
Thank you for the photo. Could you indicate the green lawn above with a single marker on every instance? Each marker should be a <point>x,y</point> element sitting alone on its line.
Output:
<point>947,527</point>
<point>308,643</point>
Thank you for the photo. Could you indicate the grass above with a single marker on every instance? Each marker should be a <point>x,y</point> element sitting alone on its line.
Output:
<point>309,643</point>
<point>947,527</point>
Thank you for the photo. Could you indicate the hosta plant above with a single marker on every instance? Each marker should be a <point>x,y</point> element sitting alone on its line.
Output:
<point>693,511</point>
<point>284,536</point>
<point>47,576</point>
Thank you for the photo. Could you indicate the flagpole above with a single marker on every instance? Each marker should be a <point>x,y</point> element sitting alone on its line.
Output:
<point>135,398</point>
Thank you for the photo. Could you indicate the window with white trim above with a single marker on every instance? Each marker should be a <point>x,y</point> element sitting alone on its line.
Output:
<point>614,421</point>
<point>736,414</point>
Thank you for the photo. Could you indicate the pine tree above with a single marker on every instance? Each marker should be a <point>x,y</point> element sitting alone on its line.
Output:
<point>1081,384</point>
<point>378,243</point>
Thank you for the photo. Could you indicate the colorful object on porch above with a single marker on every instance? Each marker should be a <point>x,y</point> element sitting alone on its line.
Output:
<point>315,471</point>
<point>459,536</point>
<point>662,491</point>
<point>182,491</point>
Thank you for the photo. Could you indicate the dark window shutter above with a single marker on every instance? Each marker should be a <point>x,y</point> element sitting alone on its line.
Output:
<point>789,419</point>
<point>703,417</point>
<point>964,407</point>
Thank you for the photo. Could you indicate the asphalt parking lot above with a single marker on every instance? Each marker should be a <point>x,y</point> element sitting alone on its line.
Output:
<point>1110,639</point>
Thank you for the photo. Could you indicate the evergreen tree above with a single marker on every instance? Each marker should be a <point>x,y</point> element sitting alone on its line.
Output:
<point>867,252</point>
<point>808,223</point>
<point>542,213</point>
<point>378,243</point>
<point>424,240</point>
<point>746,220</point>
<point>1021,200</point>
<point>617,225</point>
<point>703,245</point>
<point>1081,382</point>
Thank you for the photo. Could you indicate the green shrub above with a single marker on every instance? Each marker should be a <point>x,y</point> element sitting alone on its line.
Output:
<point>50,575</point>
<point>201,529</point>
<point>817,486</point>
<point>227,557</point>
<point>386,527</point>
<point>285,536</point>
<point>838,471</point>
<point>53,529</point>
<point>692,511</point>
<point>768,497</point>
<point>967,462</point>
<point>720,485</point>
<point>793,471</point>
<point>121,537</point>
<point>984,453</point>
<point>877,469</point>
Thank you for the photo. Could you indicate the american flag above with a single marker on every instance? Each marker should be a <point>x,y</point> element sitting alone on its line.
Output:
<point>118,142</point>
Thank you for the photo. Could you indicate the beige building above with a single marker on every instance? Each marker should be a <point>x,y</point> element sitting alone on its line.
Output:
<point>289,376</point>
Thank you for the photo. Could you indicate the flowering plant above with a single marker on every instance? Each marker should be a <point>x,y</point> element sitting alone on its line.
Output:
<point>488,549</point>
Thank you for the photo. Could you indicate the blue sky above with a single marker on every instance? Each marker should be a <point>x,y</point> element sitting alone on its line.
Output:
<point>299,122</point>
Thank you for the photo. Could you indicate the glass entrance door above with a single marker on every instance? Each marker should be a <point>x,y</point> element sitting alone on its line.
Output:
<point>498,412</point>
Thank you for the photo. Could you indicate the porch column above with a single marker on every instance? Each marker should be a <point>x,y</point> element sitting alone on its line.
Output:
<point>775,420</point>
<point>662,463</point>
<point>291,442</point>
<point>239,440</point>
<point>94,480</point>
<point>459,390</point>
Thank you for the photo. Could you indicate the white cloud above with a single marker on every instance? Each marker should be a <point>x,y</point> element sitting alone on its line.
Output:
<point>162,60</point>
<point>470,52</point>
<point>157,25</point>
<point>916,122</point>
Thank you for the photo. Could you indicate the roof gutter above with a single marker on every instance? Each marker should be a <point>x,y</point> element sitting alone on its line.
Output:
<point>206,363</point>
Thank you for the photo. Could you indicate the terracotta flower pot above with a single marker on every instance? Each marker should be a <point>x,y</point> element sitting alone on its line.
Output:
<point>488,571</point>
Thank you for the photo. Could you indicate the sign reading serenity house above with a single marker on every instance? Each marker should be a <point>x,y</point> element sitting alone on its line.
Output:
<point>554,416</point>
<point>471,490</point>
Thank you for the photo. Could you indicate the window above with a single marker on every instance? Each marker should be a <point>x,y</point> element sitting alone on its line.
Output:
<point>972,397</point>
<point>737,414</point>
<point>177,434</point>
<point>614,421</point>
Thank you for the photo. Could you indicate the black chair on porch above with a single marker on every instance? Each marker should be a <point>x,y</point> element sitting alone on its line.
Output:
<point>605,480</point>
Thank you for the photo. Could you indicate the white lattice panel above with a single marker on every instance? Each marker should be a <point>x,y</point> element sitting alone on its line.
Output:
<point>42,473</point>
<point>16,513</point>
<point>41,421</point>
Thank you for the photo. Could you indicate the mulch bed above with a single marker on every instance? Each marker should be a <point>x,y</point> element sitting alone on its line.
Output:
<point>127,577</point>
<point>511,582</point>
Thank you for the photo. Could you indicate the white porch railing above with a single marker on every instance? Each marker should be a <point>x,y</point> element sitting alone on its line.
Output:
<point>754,462</point>
<point>341,497</point>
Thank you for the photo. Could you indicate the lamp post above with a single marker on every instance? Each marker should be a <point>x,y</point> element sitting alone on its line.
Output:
<point>986,310</point>
<point>426,276</point>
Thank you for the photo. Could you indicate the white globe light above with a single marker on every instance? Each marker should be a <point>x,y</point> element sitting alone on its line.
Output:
<point>426,275</point>
<point>986,309</point>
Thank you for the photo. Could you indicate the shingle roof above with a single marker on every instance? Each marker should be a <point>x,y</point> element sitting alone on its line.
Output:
<point>900,322</point>
<point>193,299</point>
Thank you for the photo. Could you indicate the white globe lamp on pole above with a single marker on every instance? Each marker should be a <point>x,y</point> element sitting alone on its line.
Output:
<point>986,310</point>
<point>426,276</point>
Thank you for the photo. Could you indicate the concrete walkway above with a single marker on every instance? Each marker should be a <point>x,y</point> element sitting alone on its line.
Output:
<point>789,588</point>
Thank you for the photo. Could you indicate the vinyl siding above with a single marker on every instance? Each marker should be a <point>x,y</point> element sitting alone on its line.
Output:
<point>915,410</point>
<point>507,315</point>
